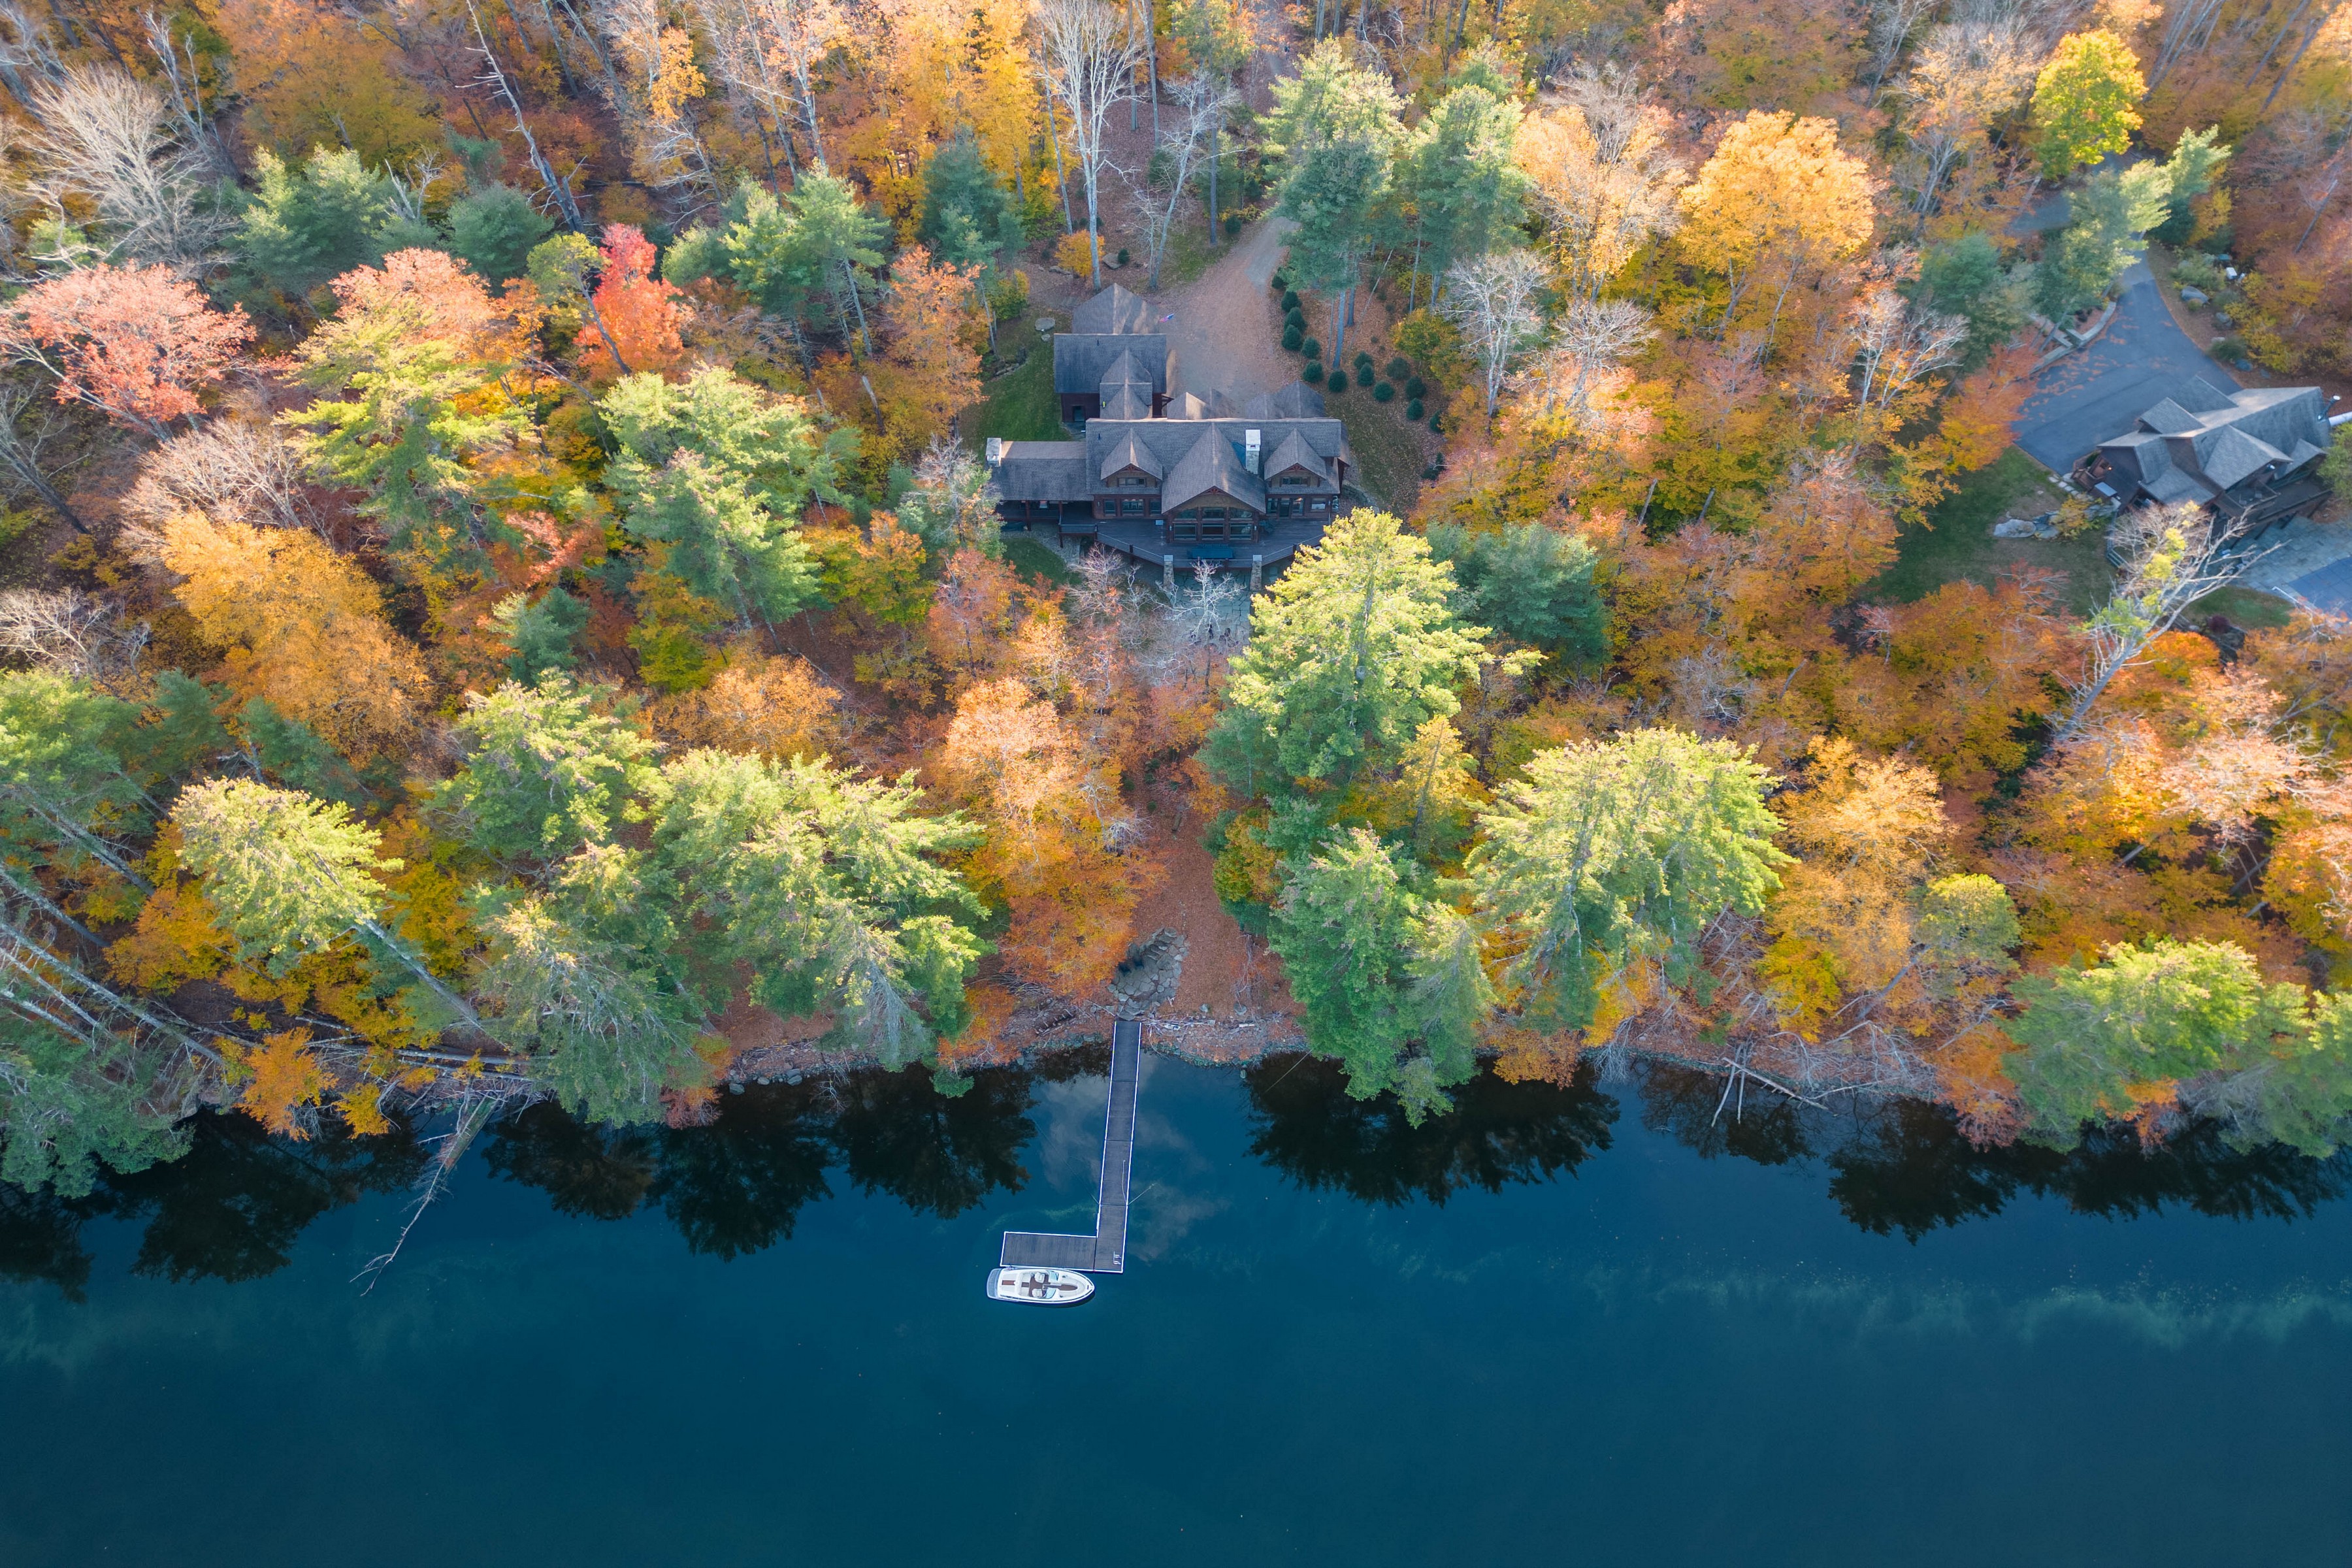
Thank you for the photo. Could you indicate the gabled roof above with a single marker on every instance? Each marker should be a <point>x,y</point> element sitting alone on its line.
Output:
<point>2231,456</point>
<point>1296,401</point>
<point>2203,440</point>
<point>2201,397</point>
<point>1123,401</point>
<point>1082,359</point>
<point>1128,452</point>
<point>1184,405</point>
<point>1294,453</point>
<point>1112,311</point>
<point>1210,465</point>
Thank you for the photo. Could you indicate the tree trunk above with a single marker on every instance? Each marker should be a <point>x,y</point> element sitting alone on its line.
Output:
<point>1054,134</point>
<point>1213,123</point>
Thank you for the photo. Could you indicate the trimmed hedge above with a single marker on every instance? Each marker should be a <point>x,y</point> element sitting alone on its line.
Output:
<point>1412,411</point>
<point>1415,389</point>
<point>1384,392</point>
<point>1399,368</point>
<point>1289,296</point>
<point>1291,338</point>
<point>1312,372</point>
<point>1312,349</point>
<point>1295,317</point>
<point>1364,376</point>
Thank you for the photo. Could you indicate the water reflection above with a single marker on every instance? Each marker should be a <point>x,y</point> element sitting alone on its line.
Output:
<point>1906,1165</point>
<point>232,1207</point>
<point>1305,1125</point>
<point>736,1187</point>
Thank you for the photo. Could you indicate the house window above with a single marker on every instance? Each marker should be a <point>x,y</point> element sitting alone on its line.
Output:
<point>1319,506</point>
<point>1133,506</point>
<point>1216,511</point>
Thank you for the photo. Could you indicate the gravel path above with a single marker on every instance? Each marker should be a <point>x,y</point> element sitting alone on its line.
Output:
<point>1226,325</point>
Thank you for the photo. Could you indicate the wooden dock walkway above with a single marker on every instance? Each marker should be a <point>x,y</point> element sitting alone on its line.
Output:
<point>1104,1252</point>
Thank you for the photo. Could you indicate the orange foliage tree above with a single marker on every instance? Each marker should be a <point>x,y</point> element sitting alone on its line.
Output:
<point>136,342</point>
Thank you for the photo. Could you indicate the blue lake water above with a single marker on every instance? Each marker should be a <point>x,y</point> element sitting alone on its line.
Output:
<point>1577,1325</point>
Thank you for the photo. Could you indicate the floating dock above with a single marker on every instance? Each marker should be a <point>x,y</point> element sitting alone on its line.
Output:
<point>1104,1252</point>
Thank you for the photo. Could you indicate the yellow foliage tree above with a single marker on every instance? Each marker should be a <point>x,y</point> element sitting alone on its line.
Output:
<point>778,707</point>
<point>301,626</point>
<point>1777,195</point>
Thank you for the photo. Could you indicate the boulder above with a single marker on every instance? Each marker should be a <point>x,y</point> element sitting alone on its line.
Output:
<point>2190,296</point>
<point>2015,528</point>
<point>1147,977</point>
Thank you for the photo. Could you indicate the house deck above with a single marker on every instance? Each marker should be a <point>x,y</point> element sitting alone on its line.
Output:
<point>1148,544</point>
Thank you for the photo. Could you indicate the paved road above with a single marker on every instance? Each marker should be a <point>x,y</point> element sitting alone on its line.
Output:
<point>2095,396</point>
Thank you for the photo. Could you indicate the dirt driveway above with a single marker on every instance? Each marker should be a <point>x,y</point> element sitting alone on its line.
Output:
<point>1225,326</point>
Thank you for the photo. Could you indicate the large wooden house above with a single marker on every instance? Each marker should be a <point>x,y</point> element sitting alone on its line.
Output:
<point>1108,363</point>
<point>2246,453</point>
<point>1176,468</point>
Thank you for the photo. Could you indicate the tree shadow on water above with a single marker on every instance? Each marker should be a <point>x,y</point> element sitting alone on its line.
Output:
<point>1305,1125</point>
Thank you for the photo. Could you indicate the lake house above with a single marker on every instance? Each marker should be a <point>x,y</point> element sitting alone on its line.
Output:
<point>1158,475</point>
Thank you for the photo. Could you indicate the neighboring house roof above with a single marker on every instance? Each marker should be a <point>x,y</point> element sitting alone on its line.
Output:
<point>1043,470</point>
<point>2202,441</point>
<point>1210,466</point>
<point>1112,311</point>
<point>1081,360</point>
<point>1184,405</point>
<point>1296,401</point>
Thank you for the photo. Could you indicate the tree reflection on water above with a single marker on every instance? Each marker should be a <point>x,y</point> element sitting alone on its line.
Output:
<point>233,1205</point>
<point>1907,1165</point>
<point>1307,1125</point>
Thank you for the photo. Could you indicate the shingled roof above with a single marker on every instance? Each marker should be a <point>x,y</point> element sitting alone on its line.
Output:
<point>2202,442</point>
<point>1112,311</point>
<point>1081,360</point>
<point>1211,464</point>
<point>1296,401</point>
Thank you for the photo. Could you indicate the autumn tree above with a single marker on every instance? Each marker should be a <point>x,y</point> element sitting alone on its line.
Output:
<point>413,370</point>
<point>138,345</point>
<point>1494,301</point>
<point>636,315</point>
<point>299,626</point>
<point>2085,101</point>
<point>1053,816</point>
<point>930,366</point>
<point>103,148</point>
<point>1355,648</point>
<point>1777,195</point>
<point>1609,857</point>
<point>1604,173</point>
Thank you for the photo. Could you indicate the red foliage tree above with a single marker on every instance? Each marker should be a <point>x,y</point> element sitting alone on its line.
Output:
<point>137,342</point>
<point>638,311</point>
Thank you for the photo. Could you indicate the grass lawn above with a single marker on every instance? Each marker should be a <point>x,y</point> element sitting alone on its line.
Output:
<point>1957,541</point>
<point>1019,407</point>
<point>1037,559</point>
<point>2242,605</point>
<point>1388,449</point>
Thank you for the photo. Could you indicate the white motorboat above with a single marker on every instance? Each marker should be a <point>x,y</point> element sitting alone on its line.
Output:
<point>1039,1286</point>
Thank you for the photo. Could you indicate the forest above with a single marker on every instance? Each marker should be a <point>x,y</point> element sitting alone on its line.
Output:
<point>505,601</point>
